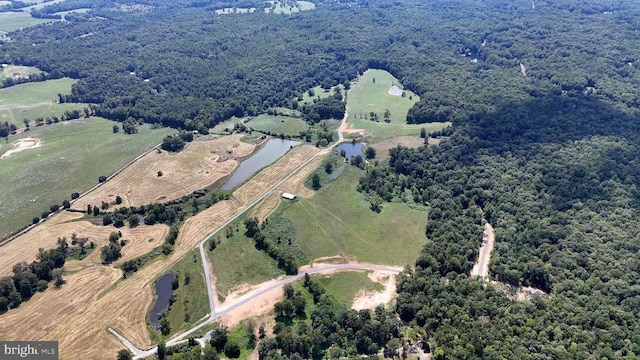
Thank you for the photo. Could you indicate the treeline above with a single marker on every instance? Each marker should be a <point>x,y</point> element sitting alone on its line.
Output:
<point>27,279</point>
<point>277,238</point>
<point>332,330</point>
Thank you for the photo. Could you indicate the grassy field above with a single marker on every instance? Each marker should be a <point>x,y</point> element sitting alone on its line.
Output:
<point>276,124</point>
<point>33,100</point>
<point>318,92</point>
<point>345,286</point>
<point>191,302</point>
<point>338,221</point>
<point>12,21</point>
<point>237,261</point>
<point>370,93</point>
<point>71,159</point>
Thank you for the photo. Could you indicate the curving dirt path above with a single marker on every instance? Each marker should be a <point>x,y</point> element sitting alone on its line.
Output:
<point>255,296</point>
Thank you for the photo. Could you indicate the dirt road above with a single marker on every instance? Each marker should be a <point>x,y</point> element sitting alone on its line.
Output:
<point>255,296</point>
<point>481,268</point>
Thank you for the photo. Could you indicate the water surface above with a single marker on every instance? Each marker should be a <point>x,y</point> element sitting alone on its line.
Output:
<point>164,291</point>
<point>351,149</point>
<point>271,152</point>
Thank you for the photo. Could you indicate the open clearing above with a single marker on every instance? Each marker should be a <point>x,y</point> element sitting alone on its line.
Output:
<point>338,221</point>
<point>199,165</point>
<point>12,21</point>
<point>72,157</point>
<point>346,286</point>
<point>16,71</point>
<point>289,6</point>
<point>383,146</point>
<point>33,100</point>
<point>22,145</point>
<point>481,267</point>
<point>141,240</point>
<point>319,93</point>
<point>368,299</point>
<point>276,124</point>
<point>370,93</point>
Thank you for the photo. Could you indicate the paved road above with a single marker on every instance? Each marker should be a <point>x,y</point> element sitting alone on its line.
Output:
<point>322,268</point>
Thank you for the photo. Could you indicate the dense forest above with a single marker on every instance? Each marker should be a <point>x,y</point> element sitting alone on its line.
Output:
<point>544,99</point>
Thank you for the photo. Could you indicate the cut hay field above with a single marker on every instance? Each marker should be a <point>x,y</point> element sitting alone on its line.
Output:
<point>36,99</point>
<point>140,240</point>
<point>12,21</point>
<point>196,167</point>
<point>101,298</point>
<point>276,124</point>
<point>72,157</point>
<point>338,221</point>
<point>370,93</point>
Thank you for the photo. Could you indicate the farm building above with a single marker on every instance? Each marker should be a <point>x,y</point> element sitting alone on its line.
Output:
<point>288,196</point>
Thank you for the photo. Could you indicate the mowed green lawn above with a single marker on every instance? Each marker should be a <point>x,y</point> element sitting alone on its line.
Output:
<point>74,154</point>
<point>338,221</point>
<point>191,302</point>
<point>276,124</point>
<point>33,100</point>
<point>368,95</point>
<point>236,261</point>
<point>12,21</point>
<point>345,286</point>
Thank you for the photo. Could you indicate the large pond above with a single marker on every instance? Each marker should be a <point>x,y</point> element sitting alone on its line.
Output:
<point>351,149</point>
<point>164,291</point>
<point>271,152</point>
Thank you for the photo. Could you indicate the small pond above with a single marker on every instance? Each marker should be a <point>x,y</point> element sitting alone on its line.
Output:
<point>271,152</point>
<point>351,149</point>
<point>164,291</point>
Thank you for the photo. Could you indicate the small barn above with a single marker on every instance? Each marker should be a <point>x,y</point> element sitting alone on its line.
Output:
<point>288,196</point>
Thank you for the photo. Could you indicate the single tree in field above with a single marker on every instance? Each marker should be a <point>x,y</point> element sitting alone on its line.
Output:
<point>315,181</point>
<point>423,133</point>
<point>115,129</point>
<point>26,123</point>
<point>125,354</point>
<point>387,113</point>
<point>370,153</point>
<point>328,168</point>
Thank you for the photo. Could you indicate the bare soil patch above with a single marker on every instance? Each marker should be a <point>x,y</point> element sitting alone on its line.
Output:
<point>22,145</point>
<point>369,300</point>
<point>481,267</point>
<point>199,165</point>
<point>383,146</point>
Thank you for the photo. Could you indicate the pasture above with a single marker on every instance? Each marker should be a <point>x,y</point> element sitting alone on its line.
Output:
<point>191,302</point>
<point>338,221</point>
<point>237,262</point>
<point>33,100</point>
<point>201,164</point>
<point>72,157</point>
<point>370,94</point>
<point>277,124</point>
<point>12,21</point>
<point>383,146</point>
